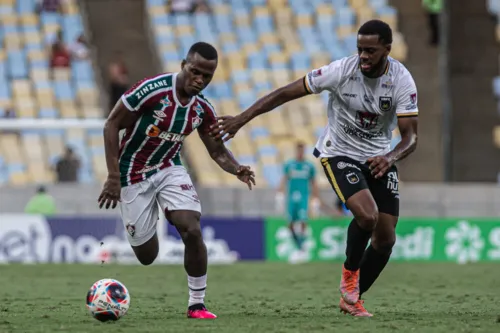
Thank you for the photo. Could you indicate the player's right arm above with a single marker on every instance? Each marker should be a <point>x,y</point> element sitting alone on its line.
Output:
<point>316,81</point>
<point>119,118</point>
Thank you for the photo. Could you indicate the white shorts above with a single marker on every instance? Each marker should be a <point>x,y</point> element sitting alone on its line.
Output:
<point>170,188</point>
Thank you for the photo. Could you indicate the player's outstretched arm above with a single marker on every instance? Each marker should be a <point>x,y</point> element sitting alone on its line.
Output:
<point>408,127</point>
<point>227,126</point>
<point>225,159</point>
<point>119,118</point>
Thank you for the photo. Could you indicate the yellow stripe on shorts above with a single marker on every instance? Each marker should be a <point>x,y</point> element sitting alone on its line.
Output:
<point>331,176</point>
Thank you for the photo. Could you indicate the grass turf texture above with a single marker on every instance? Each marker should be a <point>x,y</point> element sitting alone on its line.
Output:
<point>254,297</point>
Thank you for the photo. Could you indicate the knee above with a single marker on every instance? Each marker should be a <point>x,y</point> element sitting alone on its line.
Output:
<point>191,234</point>
<point>147,260</point>
<point>384,243</point>
<point>368,220</point>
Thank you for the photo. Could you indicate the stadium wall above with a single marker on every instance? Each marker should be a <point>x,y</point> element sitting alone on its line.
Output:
<point>33,239</point>
<point>417,200</point>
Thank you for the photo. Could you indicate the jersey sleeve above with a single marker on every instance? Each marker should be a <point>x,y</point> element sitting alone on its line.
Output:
<point>406,99</point>
<point>324,78</point>
<point>144,92</point>
<point>209,118</point>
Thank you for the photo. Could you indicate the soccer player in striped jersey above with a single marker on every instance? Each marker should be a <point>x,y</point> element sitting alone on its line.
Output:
<point>370,94</point>
<point>145,169</point>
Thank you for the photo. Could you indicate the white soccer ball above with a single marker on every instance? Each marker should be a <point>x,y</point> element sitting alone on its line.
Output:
<point>108,299</point>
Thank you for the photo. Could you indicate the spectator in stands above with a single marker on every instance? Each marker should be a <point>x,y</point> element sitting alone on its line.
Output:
<point>118,78</point>
<point>41,203</point>
<point>53,6</point>
<point>189,6</point>
<point>433,8</point>
<point>67,167</point>
<point>60,56</point>
<point>80,48</point>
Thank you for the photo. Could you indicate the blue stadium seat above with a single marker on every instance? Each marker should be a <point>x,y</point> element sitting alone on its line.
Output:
<point>230,48</point>
<point>6,10</point>
<point>63,90</point>
<point>25,6</point>
<point>15,167</point>
<point>246,99</point>
<point>182,19</point>
<point>151,3</point>
<point>247,159</point>
<point>2,114</point>
<point>82,70</point>
<point>300,61</point>
<point>257,132</point>
<point>257,61</point>
<point>161,20</point>
<point>223,23</point>
<point>240,76</point>
<point>346,16</point>
<point>5,91</point>
<point>386,10</point>
<point>17,64</point>
<point>272,174</point>
<point>351,43</point>
<point>47,18</point>
<point>48,113</point>
<point>268,151</point>
<point>378,3</point>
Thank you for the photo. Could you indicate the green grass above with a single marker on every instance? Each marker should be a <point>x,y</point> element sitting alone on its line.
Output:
<point>255,297</point>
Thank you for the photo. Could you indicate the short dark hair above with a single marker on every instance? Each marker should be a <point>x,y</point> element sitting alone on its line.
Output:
<point>206,50</point>
<point>377,27</point>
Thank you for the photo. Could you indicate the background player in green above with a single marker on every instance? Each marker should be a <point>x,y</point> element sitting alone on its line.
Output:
<point>299,183</point>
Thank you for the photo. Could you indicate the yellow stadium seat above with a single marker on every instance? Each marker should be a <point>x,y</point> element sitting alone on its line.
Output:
<point>164,30</point>
<point>9,19</point>
<point>29,19</point>
<point>304,20</point>
<point>278,5</point>
<point>21,87</point>
<point>268,38</point>
<point>182,30</point>
<point>280,77</point>
<point>155,11</point>
<point>344,31</point>
<point>364,14</point>
<point>227,37</point>
<point>88,97</point>
<point>18,178</point>
<point>320,60</point>
<point>172,67</point>
<point>3,55</point>
<point>25,108</point>
<point>355,4</point>
<point>242,20</point>
<point>71,8</point>
<point>68,109</point>
<point>93,112</point>
<point>278,58</point>
<point>241,87</point>
<point>236,61</point>
<point>9,3</point>
<point>228,107</point>
<point>259,76</point>
<point>13,42</point>
<point>284,16</point>
<point>221,9</point>
<point>250,48</point>
<point>61,74</point>
<point>54,144</point>
<point>50,29</point>
<point>170,47</point>
<point>45,98</point>
<point>325,9</point>
<point>39,74</point>
<point>259,11</point>
<point>269,159</point>
<point>390,19</point>
<point>297,74</point>
<point>37,55</point>
<point>209,178</point>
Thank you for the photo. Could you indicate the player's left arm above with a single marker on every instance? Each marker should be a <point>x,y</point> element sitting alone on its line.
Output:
<point>407,113</point>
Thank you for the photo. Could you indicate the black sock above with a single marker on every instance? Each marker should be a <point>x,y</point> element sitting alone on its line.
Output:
<point>295,238</point>
<point>199,306</point>
<point>372,264</point>
<point>357,239</point>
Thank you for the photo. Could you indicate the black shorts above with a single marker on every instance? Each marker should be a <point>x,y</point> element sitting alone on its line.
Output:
<point>348,177</point>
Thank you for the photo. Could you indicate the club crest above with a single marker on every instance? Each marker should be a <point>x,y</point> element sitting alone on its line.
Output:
<point>385,103</point>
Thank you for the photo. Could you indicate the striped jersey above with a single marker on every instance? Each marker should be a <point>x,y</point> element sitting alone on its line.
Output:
<point>154,142</point>
<point>362,112</point>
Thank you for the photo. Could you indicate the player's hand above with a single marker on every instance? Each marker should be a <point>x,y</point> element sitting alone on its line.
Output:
<point>246,175</point>
<point>110,195</point>
<point>379,165</point>
<point>226,127</point>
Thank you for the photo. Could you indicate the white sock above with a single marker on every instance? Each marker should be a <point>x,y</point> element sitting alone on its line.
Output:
<point>197,286</point>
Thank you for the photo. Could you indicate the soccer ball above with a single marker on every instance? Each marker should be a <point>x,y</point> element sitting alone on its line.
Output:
<point>108,299</point>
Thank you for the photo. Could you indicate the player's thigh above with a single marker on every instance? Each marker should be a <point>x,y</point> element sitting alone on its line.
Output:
<point>179,200</point>
<point>139,212</point>
<point>384,235</point>
<point>385,191</point>
<point>349,183</point>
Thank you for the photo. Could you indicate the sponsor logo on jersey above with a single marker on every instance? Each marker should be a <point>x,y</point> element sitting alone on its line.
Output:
<point>413,98</point>
<point>385,103</point>
<point>361,134</point>
<point>198,109</point>
<point>387,84</point>
<point>166,102</point>
<point>368,99</point>
<point>342,165</point>
<point>150,168</point>
<point>349,95</point>
<point>159,115</point>
<point>145,90</point>
<point>366,120</point>
<point>154,132</point>
<point>352,178</point>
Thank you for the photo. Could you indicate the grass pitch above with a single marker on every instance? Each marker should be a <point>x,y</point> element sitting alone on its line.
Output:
<point>256,298</point>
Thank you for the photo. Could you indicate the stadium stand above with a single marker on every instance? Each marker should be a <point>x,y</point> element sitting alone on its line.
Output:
<point>494,9</point>
<point>264,44</point>
<point>33,91</point>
